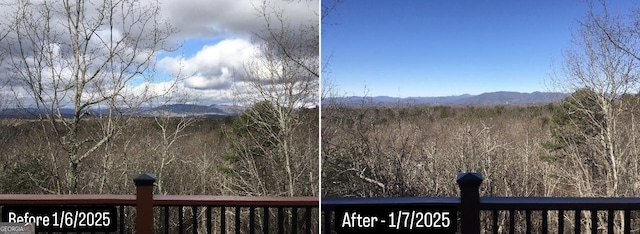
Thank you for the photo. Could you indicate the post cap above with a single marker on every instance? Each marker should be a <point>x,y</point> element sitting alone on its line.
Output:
<point>469,179</point>
<point>145,179</point>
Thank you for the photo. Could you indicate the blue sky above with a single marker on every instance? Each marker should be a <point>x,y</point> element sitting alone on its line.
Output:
<point>438,48</point>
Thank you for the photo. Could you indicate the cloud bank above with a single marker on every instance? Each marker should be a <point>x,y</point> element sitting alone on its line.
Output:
<point>212,72</point>
<point>207,71</point>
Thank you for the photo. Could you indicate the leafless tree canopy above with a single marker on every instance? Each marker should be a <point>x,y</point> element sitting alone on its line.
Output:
<point>281,83</point>
<point>82,55</point>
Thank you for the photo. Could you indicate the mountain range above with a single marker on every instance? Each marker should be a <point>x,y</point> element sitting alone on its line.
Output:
<point>484,99</point>
<point>216,110</point>
<point>193,110</point>
<point>174,110</point>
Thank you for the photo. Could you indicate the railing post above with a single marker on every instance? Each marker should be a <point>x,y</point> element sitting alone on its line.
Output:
<point>144,202</point>
<point>469,184</point>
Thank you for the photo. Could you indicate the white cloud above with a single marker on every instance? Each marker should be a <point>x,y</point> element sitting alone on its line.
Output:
<point>213,66</point>
<point>209,73</point>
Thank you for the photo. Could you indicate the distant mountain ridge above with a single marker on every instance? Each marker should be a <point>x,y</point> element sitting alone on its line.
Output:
<point>484,99</point>
<point>193,110</point>
<point>176,110</point>
<point>203,111</point>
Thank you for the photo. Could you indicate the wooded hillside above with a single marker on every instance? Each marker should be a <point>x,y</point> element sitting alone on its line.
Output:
<point>189,156</point>
<point>547,150</point>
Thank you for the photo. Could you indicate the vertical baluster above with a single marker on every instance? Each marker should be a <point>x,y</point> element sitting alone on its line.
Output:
<point>294,220</point>
<point>610,225</point>
<point>577,221</point>
<point>560,221</point>
<point>627,221</point>
<point>594,221</point>
<point>308,220</point>
<point>223,220</point>
<point>209,221</point>
<point>545,222</point>
<point>166,220</point>
<point>266,220</point>
<point>252,220</point>
<point>527,214</point>
<point>280,220</point>
<point>237,220</point>
<point>180,219</point>
<point>194,219</point>
<point>494,221</point>
<point>512,221</point>
<point>122,226</point>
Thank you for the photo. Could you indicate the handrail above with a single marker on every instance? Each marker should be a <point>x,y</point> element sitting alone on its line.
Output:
<point>332,202</point>
<point>560,203</point>
<point>67,199</point>
<point>209,200</point>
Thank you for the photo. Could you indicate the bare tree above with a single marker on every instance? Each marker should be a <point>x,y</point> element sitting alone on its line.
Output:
<point>282,81</point>
<point>594,148</point>
<point>85,56</point>
<point>601,72</point>
<point>171,129</point>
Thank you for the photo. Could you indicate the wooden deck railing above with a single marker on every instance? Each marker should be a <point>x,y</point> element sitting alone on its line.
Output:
<point>152,212</point>
<point>514,214</point>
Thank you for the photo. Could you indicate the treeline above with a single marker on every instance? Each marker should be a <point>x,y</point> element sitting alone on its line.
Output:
<point>547,150</point>
<point>188,155</point>
<point>584,146</point>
